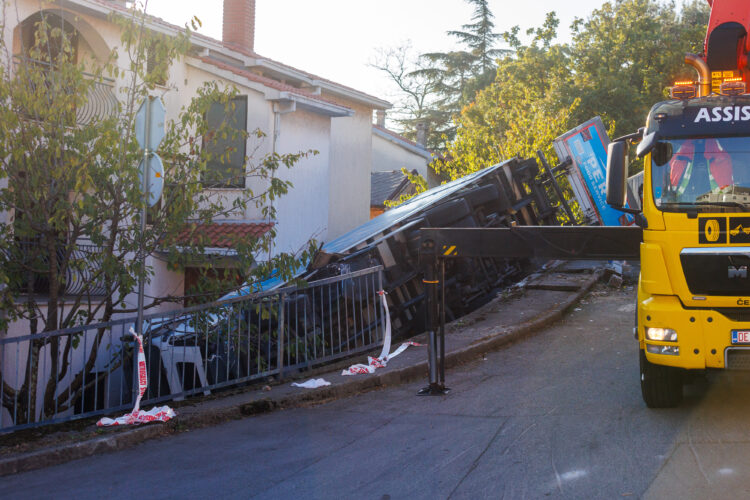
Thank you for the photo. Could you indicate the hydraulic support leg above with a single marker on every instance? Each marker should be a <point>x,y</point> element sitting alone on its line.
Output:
<point>434,274</point>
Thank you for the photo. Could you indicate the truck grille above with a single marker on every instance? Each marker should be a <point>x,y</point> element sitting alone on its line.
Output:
<point>735,314</point>
<point>717,271</point>
<point>738,359</point>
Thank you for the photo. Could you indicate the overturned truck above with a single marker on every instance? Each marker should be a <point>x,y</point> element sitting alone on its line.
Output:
<point>509,194</point>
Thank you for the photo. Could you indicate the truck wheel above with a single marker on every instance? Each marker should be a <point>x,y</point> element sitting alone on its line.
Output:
<point>661,386</point>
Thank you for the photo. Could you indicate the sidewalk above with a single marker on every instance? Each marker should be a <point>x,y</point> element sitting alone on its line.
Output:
<point>541,300</point>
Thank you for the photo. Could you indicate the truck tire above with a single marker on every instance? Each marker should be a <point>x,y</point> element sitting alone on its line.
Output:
<point>661,386</point>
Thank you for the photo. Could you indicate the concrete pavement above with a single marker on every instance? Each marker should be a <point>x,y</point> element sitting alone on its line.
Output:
<point>559,415</point>
<point>507,319</point>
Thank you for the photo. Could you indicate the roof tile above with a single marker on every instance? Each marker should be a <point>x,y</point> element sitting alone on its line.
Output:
<point>268,82</point>
<point>388,186</point>
<point>222,235</point>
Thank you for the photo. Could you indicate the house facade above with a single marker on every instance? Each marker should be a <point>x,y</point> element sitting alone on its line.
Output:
<point>297,110</point>
<point>392,152</point>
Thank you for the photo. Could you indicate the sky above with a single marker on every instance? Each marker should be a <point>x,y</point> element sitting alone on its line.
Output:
<point>337,39</point>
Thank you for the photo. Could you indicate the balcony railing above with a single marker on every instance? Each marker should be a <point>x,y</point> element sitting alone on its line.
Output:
<point>101,101</point>
<point>80,274</point>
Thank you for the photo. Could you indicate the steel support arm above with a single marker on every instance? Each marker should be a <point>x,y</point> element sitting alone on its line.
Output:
<point>549,242</point>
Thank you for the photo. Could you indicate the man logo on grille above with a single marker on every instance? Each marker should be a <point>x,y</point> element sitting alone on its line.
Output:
<point>737,272</point>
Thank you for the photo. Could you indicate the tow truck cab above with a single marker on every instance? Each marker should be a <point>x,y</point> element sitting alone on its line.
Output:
<point>693,309</point>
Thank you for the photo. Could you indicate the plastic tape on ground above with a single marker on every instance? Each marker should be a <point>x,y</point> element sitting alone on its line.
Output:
<point>381,361</point>
<point>138,416</point>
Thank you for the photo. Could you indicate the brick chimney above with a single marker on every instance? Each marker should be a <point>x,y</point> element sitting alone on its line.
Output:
<point>238,30</point>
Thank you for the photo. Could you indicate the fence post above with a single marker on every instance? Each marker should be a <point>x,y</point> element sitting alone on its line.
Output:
<point>383,319</point>
<point>280,355</point>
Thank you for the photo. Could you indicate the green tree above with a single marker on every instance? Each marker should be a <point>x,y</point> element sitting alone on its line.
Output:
<point>458,75</point>
<point>626,55</point>
<point>414,102</point>
<point>520,112</point>
<point>462,73</point>
<point>480,39</point>
<point>621,61</point>
<point>71,186</point>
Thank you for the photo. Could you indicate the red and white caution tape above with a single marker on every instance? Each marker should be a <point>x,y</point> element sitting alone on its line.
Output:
<point>382,360</point>
<point>155,414</point>
<point>138,416</point>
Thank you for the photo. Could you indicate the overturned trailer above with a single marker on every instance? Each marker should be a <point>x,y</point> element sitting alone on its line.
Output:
<point>508,194</point>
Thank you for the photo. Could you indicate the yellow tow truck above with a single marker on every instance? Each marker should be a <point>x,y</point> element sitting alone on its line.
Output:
<point>693,309</point>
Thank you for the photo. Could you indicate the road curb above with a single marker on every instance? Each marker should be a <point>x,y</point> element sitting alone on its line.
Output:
<point>493,341</point>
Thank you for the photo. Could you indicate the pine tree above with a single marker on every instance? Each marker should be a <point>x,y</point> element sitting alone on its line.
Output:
<point>460,74</point>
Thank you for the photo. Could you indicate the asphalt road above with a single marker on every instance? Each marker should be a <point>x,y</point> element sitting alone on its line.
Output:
<point>557,415</point>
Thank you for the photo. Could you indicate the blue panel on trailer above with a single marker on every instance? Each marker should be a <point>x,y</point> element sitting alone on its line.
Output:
<point>588,146</point>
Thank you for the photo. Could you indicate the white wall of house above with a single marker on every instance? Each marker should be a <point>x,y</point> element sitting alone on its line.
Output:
<point>351,164</point>
<point>188,79</point>
<point>331,189</point>
<point>388,155</point>
<point>305,212</point>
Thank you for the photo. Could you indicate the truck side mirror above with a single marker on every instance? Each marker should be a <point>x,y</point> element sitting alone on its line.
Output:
<point>617,173</point>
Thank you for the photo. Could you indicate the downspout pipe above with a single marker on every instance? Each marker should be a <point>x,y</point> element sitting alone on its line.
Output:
<point>704,73</point>
<point>279,108</point>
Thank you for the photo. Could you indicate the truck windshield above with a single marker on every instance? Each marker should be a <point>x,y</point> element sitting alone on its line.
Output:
<point>707,174</point>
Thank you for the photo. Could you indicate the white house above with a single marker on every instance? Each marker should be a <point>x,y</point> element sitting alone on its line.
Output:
<point>297,110</point>
<point>392,152</point>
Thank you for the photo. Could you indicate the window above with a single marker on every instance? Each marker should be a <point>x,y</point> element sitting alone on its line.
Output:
<point>226,165</point>
<point>710,173</point>
<point>157,63</point>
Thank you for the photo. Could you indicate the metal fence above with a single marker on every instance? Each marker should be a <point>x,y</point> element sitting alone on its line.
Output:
<point>89,370</point>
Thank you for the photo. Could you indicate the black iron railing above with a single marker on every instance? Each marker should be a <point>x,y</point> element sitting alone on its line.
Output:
<point>101,101</point>
<point>89,370</point>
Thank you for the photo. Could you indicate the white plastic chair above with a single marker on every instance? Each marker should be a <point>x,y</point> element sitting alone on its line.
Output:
<point>173,354</point>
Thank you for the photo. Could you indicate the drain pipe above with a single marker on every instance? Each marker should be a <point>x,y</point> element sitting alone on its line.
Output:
<point>704,73</point>
<point>279,108</point>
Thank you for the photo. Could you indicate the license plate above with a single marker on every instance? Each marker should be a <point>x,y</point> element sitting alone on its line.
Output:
<point>740,336</point>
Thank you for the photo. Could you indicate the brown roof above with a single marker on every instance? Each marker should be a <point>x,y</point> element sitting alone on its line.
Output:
<point>222,235</point>
<point>268,82</point>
